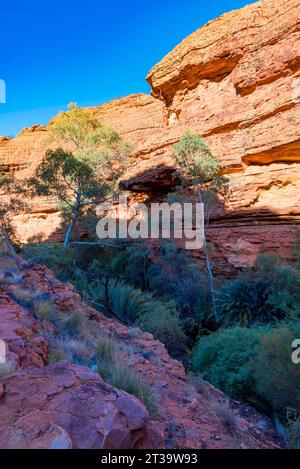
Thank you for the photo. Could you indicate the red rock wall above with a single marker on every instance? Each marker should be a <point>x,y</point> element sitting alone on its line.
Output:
<point>236,81</point>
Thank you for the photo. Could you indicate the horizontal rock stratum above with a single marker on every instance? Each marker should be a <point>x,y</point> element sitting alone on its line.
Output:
<point>235,81</point>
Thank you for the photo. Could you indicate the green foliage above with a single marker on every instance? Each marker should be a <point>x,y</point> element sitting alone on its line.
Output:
<point>58,258</point>
<point>128,380</point>
<point>167,273</point>
<point>225,413</point>
<point>270,291</point>
<point>275,374</point>
<point>69,178</point>
<point>106,352</point>
<point>224,359</point>
<point>84,169</point>
<point>161,318</point>
<point>45,310</point>
<point>123,377</point>
<point>253,365</point>
<point>195,159</point>
<point>55,356</point>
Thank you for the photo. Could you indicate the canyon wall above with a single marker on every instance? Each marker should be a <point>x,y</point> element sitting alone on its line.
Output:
<point>235,81</point>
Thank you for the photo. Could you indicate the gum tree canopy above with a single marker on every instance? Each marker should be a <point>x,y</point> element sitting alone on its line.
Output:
<point>84,168</point>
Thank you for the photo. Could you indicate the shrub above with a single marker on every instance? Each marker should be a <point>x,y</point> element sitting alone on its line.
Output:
<point>195,158</point>
<point>268,292</point>
<point>167,273</point>
<point>124,378</point>
<point>45,310</point>
<point>59,259</point>
<point>22,296</point>
<point>253,365</point>
<point>106,352</point>
<point>161,318</point>
<point>225,413</point>
<point>73,325</point>
<point>56,356</point>
<point>224,359</point>
<point>4,249</point>
<point>275,374</point>
<point>75,350</point>
<point>163,322</point>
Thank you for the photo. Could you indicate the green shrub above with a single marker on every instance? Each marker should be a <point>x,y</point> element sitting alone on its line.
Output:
<point>163,322</point>
<point>266,293</point>
<point>253,365</point>
<point>161,318</point>
<point>45,310</point>
<point>224,359</point>
<point>122,377</point>
<point>57,258</point>
<point>225,413</point>
<point>106,352</point>
<point>73,325</point>
<point>275,374</point>
<point>56,356</point>
<point>75,350</point>
<point>292,435</point>
<point>22,296</point>
<point>195,158</point>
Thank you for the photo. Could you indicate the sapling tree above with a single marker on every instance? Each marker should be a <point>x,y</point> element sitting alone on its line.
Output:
<point>198,169</point>
<point>84,168</point>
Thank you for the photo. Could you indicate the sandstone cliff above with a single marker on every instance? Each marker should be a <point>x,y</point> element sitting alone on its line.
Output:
<point>236,81</point>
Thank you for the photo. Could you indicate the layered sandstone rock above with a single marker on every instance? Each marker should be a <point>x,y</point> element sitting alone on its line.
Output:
<point>236,81</point>
<point>65,405</point>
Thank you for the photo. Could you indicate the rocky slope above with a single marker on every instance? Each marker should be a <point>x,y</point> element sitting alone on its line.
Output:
<point>236,81</point>
<point>65,405</point>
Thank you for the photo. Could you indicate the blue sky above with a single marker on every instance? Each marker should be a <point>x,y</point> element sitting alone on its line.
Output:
<point>91,51</point>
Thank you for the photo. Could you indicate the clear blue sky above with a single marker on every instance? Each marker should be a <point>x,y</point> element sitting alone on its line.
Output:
<point>89,51</point>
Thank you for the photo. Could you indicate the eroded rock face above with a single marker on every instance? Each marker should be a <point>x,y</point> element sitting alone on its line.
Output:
<point>236,81</point>
<point>64,405</point>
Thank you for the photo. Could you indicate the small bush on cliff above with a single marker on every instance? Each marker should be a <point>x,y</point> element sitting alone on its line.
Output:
<point>225,413</point>
<point>45,310</point>
<point>121,376</point>
<point>128,380</point>
<point>106,352</point>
